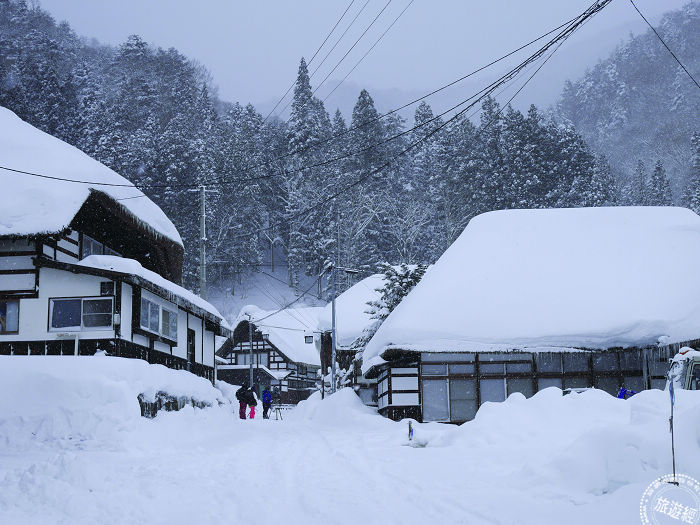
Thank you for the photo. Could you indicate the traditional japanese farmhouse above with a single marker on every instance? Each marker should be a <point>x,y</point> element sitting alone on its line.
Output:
<point>88,263</point>
<point>529,299</point>
<point>285,351</point>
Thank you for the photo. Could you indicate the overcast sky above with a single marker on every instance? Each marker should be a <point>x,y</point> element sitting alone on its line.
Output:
<point>253,48</point>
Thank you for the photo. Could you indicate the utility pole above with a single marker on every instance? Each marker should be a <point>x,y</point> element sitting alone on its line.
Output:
<point>202,243</point>
<point>250,340</point>
<point>333,330</point>
<point>333,338</point>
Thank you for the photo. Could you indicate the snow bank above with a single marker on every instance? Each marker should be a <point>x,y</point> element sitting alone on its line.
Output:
<point>586,444</point>
<point>34,205</point>
<point>587,278</point>
<point>50,398</point>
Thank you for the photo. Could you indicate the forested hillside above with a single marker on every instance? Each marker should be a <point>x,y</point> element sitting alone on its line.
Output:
<point>639,106</point>
<point>153,116</point>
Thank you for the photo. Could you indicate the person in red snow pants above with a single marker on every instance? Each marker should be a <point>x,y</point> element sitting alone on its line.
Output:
<point>252,411</point>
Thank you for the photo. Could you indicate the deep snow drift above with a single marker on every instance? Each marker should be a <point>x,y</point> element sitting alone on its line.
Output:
<point>576,459</point>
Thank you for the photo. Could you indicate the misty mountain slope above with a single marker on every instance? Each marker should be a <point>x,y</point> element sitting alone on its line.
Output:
<point>638,104</point>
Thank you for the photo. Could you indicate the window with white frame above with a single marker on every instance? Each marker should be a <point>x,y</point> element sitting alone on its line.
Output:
<point>9,316</point>
<point>158,319</point>
<point>81,313</point>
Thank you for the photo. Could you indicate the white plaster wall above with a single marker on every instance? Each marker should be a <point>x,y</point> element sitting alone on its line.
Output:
<point>404,399</point>
<point>34,313</point>
<point>209,342</point>
<point>181,349</point>
<point>127,294</point>
<point>404,383</point>
<point>195,323</point>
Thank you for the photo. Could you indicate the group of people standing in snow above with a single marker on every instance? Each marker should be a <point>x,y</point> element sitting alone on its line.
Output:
<point>247,398</point>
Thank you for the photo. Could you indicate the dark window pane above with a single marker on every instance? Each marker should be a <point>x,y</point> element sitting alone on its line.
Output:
<point>576,382</point>
<point>519,367</point>
<point>522,385</point>
<point>462,399</point>
<point>546,382</point>
<point>605,361</point>
<point>575,362</point>
<point>435,400</point>
<point>548,362</point>
<point>634,383</point>
<point>433,370</point>
<point>461,369</point>
<point>153,316</point>
<point>446,357</point>
<point>610,384</point>
<point>492,390</point>
<point>97,306</point>
<point>658,383</point>
<point>9,316</point>
<point>97,320</point>
<point>144,313</point>
<point>492,368</point>
<point>65,313</point>
<point>631,360</point>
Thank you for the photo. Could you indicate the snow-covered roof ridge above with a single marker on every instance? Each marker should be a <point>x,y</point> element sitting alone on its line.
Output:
<point>287,329</point>
<point>132,267</point>
<point>582,278</point>
<point>38,205</point>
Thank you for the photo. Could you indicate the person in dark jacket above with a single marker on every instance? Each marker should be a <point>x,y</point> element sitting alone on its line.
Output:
<point>252,401</point>
<point>267,403</point>
<point>242,400</point>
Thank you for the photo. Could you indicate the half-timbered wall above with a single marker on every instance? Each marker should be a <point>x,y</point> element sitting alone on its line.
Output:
<point>18,275</point>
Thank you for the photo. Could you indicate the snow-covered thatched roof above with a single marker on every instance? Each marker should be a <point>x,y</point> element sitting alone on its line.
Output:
<point>351,316</point>
<point>287,330</point>
<point>564,278</point>
<point>38,205</point>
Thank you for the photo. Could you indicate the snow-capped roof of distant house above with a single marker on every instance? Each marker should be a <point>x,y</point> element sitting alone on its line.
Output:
<point>352,317</point>
<point>287,330</point>
<point>131,267</point>
<point>40,205</point>
<point>562,278</point>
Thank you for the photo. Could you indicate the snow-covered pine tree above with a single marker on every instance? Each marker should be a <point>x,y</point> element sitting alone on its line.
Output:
<point>659,187</point>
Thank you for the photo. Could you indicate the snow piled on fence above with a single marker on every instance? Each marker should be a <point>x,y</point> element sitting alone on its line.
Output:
<point>48,398</point>
<point>73,449</point>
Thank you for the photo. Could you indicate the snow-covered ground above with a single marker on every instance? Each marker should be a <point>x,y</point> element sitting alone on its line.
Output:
<point>84,456</point>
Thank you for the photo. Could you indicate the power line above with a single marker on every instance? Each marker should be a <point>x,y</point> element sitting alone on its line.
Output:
<point>286,305</point>
<point>352,22</point>
<point>312,59</point>
<point>579,20</point>
<point>345,55</point>
<point>664,43</point>
<point>313,145</point>
<point>369,50</point>
<point>352,47</point>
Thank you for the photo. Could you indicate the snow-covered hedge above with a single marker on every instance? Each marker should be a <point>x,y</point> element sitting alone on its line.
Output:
<point>60,397</point>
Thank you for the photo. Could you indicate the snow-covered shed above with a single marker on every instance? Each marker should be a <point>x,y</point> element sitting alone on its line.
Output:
<point>527,299</point>
<point>284,352</point>
<point>87,262</point>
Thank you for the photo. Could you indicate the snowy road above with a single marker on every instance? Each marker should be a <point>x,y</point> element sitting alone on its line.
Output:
<point>545,460</point>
